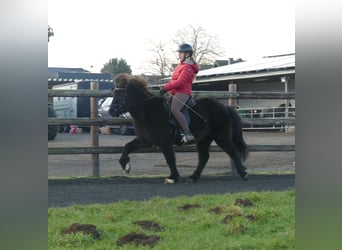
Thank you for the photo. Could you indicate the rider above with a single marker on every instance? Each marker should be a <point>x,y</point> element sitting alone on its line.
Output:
<point>180,86</point>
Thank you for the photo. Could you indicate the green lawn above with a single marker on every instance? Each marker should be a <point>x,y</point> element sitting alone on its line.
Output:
<point>261,220</point>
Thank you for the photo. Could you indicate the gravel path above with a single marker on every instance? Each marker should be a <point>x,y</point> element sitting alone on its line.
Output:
<point>90,191</point>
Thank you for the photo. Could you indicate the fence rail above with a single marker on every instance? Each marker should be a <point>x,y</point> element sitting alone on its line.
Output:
<point>89,121</point>
<point>122,121</point>
<point>94,122</point>
<point>214,94</point>
<point>118,150</point>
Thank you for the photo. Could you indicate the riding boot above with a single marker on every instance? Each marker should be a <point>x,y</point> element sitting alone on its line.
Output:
<point>188,137</point>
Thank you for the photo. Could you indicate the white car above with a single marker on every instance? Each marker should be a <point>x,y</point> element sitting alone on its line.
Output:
<point>118,129</point>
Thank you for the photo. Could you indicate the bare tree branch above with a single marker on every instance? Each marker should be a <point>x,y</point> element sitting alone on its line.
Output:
<point>206,46</point>
<point>160,62</point>
<point>163,59</point>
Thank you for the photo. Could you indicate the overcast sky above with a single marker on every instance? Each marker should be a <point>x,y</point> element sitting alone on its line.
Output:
<point>89,33</point>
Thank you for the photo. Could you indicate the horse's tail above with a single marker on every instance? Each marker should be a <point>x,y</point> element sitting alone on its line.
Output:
<point>238,139</point>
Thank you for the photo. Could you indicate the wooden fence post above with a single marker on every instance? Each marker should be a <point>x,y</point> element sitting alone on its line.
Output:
<point>94,132</point>
<point>284,79</point>
<point>232,101</point>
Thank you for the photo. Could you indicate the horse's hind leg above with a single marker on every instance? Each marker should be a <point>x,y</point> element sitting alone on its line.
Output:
<point>130,147</point>
<point>228,147</point>
<point>203,157</point>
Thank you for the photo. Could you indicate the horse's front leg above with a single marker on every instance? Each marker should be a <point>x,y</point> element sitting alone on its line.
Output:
<point>203,157</point>
<point>171,162</point>
<point>130,147</point>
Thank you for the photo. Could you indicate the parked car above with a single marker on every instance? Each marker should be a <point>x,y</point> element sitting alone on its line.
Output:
<point>116,129</point>
<point>74,107</point>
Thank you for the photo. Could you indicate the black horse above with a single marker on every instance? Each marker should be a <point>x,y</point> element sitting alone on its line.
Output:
<point>209,120</point>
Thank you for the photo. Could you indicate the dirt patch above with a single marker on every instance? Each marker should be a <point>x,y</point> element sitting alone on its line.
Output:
<point>138,239</point>
<point>235,213</point>
<point>227,219</point>
<point>189,206</point>
<point>243,203</point>
<point>250,217</point>
<point>216,210</point>
<point>88,229</point>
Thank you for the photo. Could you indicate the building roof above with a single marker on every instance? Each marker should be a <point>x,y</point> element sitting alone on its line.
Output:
<point>68,70</point>
<point>266,66</point>
<point>64,75</point>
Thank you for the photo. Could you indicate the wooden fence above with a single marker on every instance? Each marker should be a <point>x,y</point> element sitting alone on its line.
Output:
<point>94,121</point>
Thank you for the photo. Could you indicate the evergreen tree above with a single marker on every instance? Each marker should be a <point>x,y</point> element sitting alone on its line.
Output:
<point>115,67</point>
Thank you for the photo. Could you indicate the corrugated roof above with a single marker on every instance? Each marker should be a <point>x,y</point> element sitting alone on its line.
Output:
<point>66,80</point>
<point>265,64</point>
<point>64,75</point>
<point>66,70</point>
<point>82,76</point>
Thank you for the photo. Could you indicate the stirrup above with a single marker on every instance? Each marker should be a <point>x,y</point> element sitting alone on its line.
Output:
<point>186,139</point>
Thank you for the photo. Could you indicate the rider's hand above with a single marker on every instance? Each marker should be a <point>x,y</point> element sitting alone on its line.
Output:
<point>162,91</point>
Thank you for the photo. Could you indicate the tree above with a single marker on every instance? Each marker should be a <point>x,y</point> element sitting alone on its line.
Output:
<point>115,66</point>
<point>206,46</point>
<point>160,62</point>
<point>206,50</point>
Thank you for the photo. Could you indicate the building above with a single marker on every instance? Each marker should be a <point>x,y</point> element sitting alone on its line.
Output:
<point>58,75</point>
<point>269,74</point>
<point>75,78</point>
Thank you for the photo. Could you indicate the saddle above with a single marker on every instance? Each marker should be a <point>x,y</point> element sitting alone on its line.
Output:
<point>172,120</point>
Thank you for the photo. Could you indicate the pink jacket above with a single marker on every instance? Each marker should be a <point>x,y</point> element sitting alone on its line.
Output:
<point>182,78</point>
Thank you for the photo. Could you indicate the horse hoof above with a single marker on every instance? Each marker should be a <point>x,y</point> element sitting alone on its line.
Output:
<point>245,177</point>
<point>127,168</point>
<point>169,181</point>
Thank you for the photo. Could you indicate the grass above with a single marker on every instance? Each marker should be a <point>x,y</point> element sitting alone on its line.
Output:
<point>268,224</point>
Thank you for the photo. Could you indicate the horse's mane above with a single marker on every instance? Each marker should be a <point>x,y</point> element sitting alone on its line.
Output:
<point>123,80</point>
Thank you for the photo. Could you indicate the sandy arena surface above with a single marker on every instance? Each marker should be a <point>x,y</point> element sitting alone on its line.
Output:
<point>154,163</point>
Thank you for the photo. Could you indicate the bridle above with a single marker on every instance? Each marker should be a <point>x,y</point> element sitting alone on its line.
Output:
<point>120,106</point>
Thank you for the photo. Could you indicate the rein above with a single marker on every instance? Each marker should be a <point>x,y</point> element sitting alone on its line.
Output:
<point>195,112</point>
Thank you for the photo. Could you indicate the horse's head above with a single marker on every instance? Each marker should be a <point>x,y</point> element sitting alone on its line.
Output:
<point>129,90</point>
<point>118,107</point>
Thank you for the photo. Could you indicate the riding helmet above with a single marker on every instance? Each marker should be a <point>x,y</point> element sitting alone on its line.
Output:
<point>185,47</point>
